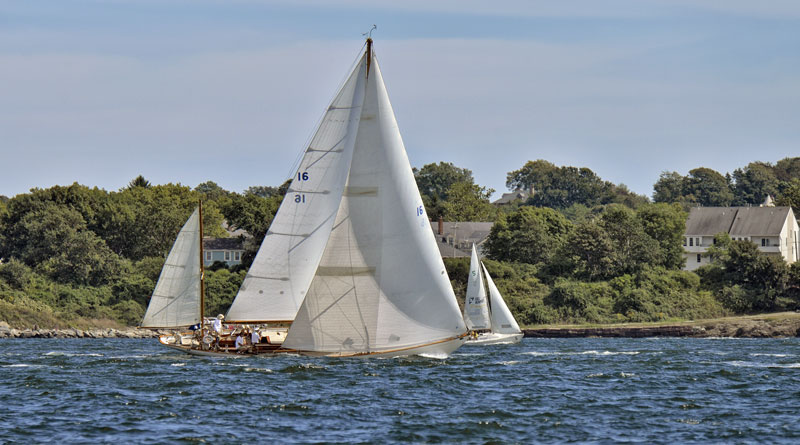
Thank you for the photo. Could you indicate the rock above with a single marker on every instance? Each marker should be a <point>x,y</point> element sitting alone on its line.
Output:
<point>4,326</point>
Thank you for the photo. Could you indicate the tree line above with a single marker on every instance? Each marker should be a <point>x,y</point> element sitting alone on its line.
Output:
<point>578,249</point>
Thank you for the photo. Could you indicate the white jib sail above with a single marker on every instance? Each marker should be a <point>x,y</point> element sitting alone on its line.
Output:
<point>281,273</point>
<point>381,284</point>
<point>503,321</point>
<point>176,298</point>
<point>476,307</point>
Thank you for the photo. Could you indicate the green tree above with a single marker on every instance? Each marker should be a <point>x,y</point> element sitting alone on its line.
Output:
<point>139,181</point>
<point>534,175</point>
<point>754,183</point>
<point>588,252</point>
<point>468,202</point>
<point>211,191</point>
<point>263,191</point>
<point>666,224</point>
<point>633,248</point>
<point>434,181</point>
<point>562,187</point>
<point>529,235</point>
<point>252,213</point>
<point>708,188</point>
<point>790,195</point>
<point>787,169</point>
<point>669,187</point>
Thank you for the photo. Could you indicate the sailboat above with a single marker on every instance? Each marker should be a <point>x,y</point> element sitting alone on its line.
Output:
<point>178,298</point>
<point>349,266</point>
<point>489,325</point>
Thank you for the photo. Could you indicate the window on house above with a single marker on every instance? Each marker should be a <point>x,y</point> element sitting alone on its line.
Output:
<point>697,241</point>
<point>237,256</point>
<point>698,257</point>
<point>208,256</point>
<point>764,242</point>
<point>684,242</point>
<point>227,255</point>
<point>691,241</point>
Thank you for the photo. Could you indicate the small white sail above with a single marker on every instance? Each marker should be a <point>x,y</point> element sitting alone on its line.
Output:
<point>176,298</point>
<point>503,321</point>
<point>381,284</point>
<point>476,306</point>
<point>281,273</point>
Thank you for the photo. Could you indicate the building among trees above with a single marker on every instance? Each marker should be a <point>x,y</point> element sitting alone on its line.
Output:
<point>774,230</point>
<point>455,239</point>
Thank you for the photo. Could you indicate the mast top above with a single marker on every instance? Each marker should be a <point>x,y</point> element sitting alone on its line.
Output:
<point>369,46</point>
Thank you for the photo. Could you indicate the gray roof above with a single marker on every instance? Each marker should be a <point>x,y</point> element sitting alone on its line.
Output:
<point>737,221</point>
<point>465,234</point>
<point>463,231</point>
<point>511,197</point>
<point>223,244</point>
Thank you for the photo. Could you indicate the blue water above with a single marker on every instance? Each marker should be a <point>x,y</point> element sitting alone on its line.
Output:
<point>544,390</point>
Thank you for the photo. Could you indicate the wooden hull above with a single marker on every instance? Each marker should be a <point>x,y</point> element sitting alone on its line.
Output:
<point>442,348</point>
<point>491,338</point>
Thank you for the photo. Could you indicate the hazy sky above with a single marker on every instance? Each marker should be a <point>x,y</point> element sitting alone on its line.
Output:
<point>187,91</point>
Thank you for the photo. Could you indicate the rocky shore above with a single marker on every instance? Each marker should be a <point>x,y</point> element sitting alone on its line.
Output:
<point>765,326</point>
<point>8,332</point>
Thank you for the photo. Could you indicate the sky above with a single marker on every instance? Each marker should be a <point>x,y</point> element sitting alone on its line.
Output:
<point>230,91</point>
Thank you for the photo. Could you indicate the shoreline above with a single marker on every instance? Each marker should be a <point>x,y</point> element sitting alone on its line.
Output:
<point>776,325</point>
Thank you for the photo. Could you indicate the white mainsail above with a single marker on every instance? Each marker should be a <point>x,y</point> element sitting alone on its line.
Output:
<point>476,306</point>
<point>381,284</point>
<point>176,298</point>
<point>503,321</point>
<point>284,266</point>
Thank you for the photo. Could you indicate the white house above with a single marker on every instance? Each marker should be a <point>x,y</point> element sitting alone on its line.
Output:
<point>773,229</point>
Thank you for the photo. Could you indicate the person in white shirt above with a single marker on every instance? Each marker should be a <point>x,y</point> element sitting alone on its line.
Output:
<point>239,342</point>
<point>216,325</point>
<point>254,338</point>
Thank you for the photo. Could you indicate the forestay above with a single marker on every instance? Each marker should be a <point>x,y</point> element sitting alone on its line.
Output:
<point>381,284</point>
<point>476,308</point>
<point>503,321</point>
<point>284,266</point>
<point>176,298</point>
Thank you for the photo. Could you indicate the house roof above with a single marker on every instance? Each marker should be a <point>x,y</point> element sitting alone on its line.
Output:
<point>463,231</point>
<point>508,198</point>
<point>223,244</point>
<point>737,221</point>
<point>760,221</point>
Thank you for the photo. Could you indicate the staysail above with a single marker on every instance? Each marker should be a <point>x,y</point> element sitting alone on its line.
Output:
<point>284,266</point>
<point>381,284</point>
<point>476,307</point>
<point>503,321</point>
<point>176,298</point>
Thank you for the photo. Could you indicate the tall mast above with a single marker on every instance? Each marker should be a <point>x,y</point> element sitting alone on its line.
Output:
<point>202,269</point>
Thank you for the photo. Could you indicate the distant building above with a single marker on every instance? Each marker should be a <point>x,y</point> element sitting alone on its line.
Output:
<point>773,229</point>
<point>455,239</point>
<point>226,250</point>
<point>516,195</point>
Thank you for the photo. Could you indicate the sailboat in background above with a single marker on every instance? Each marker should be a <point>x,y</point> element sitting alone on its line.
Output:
<point>349,263</point>
<point>177,301</point>
<point>488,319</point>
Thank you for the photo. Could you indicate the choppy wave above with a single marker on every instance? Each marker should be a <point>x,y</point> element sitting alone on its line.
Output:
<point>544,390</point>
